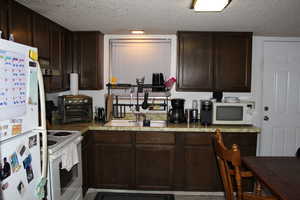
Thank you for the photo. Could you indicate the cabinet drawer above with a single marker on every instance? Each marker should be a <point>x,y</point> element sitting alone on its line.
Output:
<point>112,137</point>
<point>155,138</point>
<point>197,139</point>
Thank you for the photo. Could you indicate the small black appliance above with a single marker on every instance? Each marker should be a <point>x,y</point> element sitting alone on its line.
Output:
<point>100,114</point>
<point>206,112</point>
<point>218,96</point>
<point>176,113</point>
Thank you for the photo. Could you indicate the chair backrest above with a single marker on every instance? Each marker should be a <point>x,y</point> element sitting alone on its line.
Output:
<point>229,162</point>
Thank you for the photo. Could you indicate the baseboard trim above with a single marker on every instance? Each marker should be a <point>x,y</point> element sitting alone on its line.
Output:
<point>93,190</point>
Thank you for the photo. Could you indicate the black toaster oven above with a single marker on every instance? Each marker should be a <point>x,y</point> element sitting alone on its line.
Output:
<point>78,108</point>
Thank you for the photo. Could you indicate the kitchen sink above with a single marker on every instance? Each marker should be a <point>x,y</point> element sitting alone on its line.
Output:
<point>132,123</point>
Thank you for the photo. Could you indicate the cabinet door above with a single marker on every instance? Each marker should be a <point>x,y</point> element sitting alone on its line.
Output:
<point>90,66</point>
<point>233,61</point>
<point>4,18</point>
<point>86,174</point>
<point>200,170</point>
<point>113,166</point>
<point>41,35</point>
<point>247,143</point>
<point>54,82</point>
<point>67,63</point>
<point>195,67</point>
<point>20,25</point>
<point>154,166</point>
<point>88,59</point>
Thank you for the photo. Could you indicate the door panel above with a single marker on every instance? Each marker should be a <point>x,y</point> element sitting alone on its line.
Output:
<point>200,170</point>
<point>4,18</point>
<point>195,62</point>
<point>20,23</point>
<point>113,166</point>
<point>154,166</point>
<point>233,61</point>
<point>281,94</point>
<point>41,35</point>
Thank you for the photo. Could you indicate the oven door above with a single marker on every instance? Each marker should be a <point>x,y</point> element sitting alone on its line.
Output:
<point>65,184</point>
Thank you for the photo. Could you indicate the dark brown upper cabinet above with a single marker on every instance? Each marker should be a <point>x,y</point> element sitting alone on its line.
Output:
<point>55,81</point>
<point>67,57</point>
<point>88,59</point>
<point>214,61</point>
<point>20,23</point>
<point>4,18</point>
<point>233,56</point>
<point>41,35</point>
<point>195,71</point>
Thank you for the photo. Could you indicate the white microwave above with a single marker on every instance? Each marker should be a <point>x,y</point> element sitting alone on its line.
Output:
<point>233,113</point>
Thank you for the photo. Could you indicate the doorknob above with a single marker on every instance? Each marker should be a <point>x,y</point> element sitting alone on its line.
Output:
<point>266,118</point>
<point>266,108</point>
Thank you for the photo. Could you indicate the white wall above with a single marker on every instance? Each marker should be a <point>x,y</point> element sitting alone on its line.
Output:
<point>98,96</point>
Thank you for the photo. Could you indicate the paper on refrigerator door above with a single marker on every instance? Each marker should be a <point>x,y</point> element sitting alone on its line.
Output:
<point>13,79</point>
<point>33,89</point>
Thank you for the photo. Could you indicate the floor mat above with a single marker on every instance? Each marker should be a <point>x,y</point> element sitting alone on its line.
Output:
<point>132,196</point>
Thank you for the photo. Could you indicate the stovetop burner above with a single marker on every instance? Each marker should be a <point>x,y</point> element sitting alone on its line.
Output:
<point>62,133</point>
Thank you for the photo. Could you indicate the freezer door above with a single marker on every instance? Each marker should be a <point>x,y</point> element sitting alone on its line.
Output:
<point>20,166</point>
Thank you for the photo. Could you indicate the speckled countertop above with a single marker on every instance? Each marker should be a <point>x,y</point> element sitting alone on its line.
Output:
<point>84,127</point>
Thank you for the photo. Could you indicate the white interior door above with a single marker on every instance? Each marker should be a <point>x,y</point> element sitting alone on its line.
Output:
<point>281,98</point>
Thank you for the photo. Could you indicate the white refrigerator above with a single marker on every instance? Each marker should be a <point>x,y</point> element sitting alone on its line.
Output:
<point>22,121</point>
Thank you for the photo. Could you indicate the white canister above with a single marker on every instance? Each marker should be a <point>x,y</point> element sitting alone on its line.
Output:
<point>74,83</point>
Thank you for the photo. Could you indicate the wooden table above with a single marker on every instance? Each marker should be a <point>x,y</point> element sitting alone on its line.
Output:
<point>280,174</point>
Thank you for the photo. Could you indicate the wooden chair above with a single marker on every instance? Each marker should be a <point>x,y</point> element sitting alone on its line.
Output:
<point>229,162</point>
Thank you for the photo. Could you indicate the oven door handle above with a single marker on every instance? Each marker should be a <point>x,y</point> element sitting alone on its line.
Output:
<point>59,154</point>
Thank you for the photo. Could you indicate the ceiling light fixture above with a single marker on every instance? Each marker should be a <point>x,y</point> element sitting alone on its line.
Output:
<point>137,32</point>
<point>210,5</point>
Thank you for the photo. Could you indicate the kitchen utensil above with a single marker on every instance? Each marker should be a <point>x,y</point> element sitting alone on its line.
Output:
<point>109,107</point>
<point>145,102</point>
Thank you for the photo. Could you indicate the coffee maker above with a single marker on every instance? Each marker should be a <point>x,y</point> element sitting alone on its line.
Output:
<point>176,113</point>
<point>206,112</point>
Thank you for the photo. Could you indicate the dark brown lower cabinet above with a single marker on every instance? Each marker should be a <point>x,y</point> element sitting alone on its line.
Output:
<point>85,163</point>
<point>113,166</point>
<point>157,160</point>
<point>112,160</point>
<point>154,166</point>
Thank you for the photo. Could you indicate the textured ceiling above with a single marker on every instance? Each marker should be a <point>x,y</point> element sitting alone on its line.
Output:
<point>263,17</point>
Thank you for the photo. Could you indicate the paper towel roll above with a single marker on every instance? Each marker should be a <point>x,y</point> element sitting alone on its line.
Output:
<point>74,83</point>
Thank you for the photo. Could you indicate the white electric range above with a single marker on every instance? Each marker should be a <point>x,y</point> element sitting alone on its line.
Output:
<point>64,184</point>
